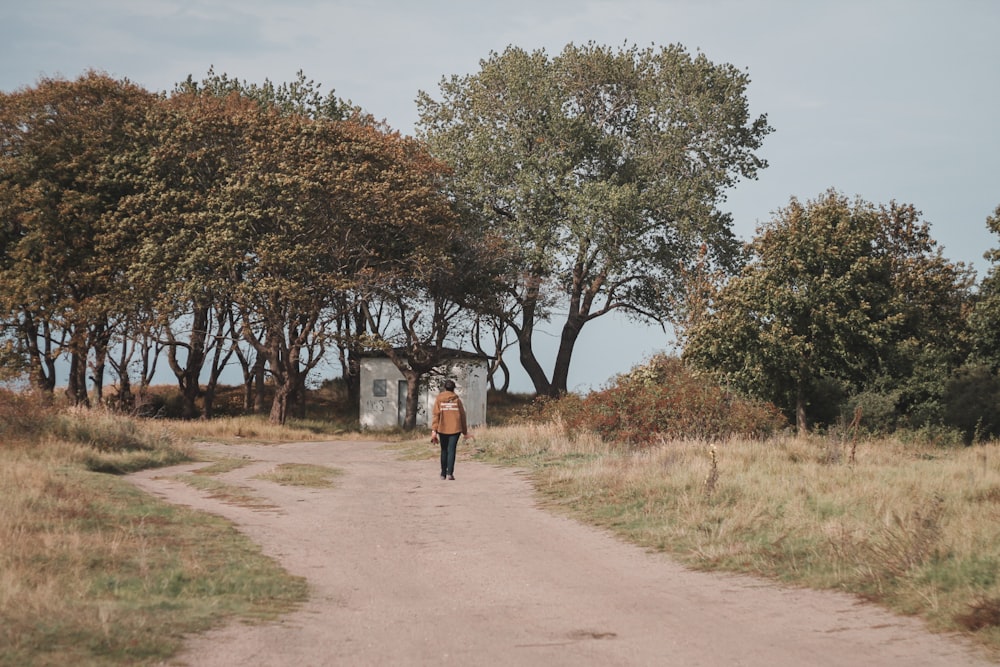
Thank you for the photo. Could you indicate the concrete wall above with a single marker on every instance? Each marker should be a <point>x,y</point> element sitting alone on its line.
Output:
<point>383,392</point>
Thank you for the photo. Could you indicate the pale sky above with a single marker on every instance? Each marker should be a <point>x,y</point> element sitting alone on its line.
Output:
<point>882,99</point>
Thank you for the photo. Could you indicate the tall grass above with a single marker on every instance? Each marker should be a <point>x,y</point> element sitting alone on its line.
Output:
<point>915,528</point>
<point>257,429</point>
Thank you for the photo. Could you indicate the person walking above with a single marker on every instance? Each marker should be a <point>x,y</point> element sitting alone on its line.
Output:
<point>447,425</point>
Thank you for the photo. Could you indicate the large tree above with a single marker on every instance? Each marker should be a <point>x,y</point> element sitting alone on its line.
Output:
<point>835,293</point>
<point>195,144</point>
<point>604,168</point>
<point>61,183</point>
<point>262,210</point>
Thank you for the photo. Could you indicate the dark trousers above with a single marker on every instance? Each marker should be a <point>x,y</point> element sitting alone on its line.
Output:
<point>449,445</point>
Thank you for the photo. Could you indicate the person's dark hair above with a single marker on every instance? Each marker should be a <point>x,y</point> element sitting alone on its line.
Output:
<point>449,385</point>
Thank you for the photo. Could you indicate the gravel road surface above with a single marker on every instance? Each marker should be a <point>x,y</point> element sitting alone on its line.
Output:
<point>407,569</point>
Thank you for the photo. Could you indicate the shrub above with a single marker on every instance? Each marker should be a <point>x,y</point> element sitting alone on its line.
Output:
<point>932,435</point>
<point>24,417</point>
<point>663,399</point>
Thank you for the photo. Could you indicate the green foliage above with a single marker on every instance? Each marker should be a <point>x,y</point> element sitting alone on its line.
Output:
<point>984,320</point>
<point>836,295</point>
<point>877,410</point>
<point>299,97</point>
<point>934,435</point>
<point>665,400</point>
<point>911,398</point>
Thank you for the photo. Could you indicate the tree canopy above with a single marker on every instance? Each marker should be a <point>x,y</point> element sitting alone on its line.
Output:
<point>208,219</point>
<point>837,296</point>
<point>603,169</point>
<point>61,183</point>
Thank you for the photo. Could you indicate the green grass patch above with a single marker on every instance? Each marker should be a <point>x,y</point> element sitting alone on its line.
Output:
<point>416,449</point>
<point>223,465</point>
<point>302,474</point>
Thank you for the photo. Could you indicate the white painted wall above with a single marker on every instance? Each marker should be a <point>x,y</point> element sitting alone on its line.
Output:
<point>383,392</point>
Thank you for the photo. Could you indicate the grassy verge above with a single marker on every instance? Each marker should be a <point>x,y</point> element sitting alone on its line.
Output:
<point>254,428</point>
<point>914,528</point>
<point>96,572</point>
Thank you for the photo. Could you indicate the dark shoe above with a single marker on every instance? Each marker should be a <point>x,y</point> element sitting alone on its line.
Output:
<point>451,477</point>
<point>442,476</point>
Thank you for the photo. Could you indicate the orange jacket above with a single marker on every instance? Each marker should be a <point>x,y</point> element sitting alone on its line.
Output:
<point>449,414</point>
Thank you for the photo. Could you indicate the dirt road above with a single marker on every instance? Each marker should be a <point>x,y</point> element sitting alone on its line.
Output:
<point>407,569</point>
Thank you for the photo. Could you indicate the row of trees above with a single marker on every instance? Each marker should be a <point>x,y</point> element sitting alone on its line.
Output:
<point>223,220</point>
<point>273,224</point>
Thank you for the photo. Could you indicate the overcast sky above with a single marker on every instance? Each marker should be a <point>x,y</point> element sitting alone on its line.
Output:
<point>882,99</point>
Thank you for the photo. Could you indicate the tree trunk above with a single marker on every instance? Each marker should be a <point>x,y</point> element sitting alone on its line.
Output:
<point>524,335</point>
<point>76,388</point>
<point>259,379</point>
<point>560,374</point>
<point>189,391</point>
<point>297,399</point>
<point>412,400</point>
<point>150,358</point>
<point>801,424</point>
<point>248,403</point>
<point>531,366</point>
<point>499,367</point>
<point>288,378</point>
<point>352,377</point>
<point>41,361</point>
<point>119,360</point>
<point>100,356</point>
<point>279,406</point>
<point>208,398</point>
<point>126,402</point>
<point>100,339</point>
<point>189,376</point>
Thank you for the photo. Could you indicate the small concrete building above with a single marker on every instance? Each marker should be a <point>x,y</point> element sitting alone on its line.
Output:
<point>383,389</point>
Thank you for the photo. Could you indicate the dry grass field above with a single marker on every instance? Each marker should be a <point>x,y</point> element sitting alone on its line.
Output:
<point>94,572</point>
